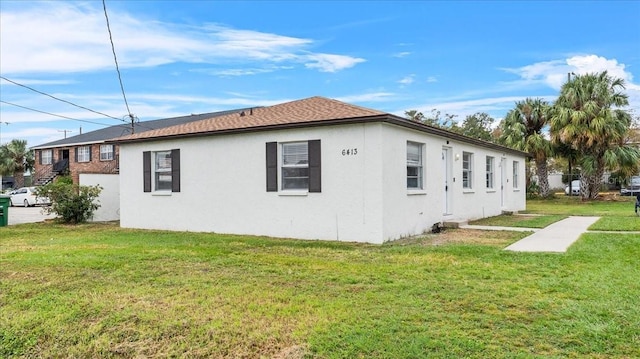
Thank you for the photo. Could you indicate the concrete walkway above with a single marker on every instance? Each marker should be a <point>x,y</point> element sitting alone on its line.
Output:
<point>19,215</point>
<point>556,237</point>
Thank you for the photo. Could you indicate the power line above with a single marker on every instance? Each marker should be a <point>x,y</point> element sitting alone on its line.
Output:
<point>59,99</point>
<point>127,128</point>
<point>115,58</point>
<point>52,114</point>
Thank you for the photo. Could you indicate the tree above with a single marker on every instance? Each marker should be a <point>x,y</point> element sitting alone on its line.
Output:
<point>15,159</point>
<point>522,129</point>
<point>478,126</point>
<point>588,118</point>
<point>414,115</point>
<point>72,202</point>
<point>435,119</point>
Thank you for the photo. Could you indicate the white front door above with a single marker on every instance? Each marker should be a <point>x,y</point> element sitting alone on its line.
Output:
<point>446,172</point>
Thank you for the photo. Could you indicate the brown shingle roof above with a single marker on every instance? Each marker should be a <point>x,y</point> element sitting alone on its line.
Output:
<point>309,110</point>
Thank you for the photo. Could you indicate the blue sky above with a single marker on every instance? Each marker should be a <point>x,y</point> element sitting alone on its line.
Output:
<point>183,57</point>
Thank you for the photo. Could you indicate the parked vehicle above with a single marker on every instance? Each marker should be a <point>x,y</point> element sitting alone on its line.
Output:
<point>575,188</point>
<point>633,188</point>
<point>26,196</point>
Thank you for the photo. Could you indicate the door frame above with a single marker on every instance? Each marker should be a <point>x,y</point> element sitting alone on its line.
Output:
<point>503,179</point>
<point>447,180</point>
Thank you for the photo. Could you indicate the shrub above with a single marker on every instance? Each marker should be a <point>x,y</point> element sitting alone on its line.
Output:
<point>71,202</point>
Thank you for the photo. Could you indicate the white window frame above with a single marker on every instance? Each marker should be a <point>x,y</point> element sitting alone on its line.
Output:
<point>46,157</point>
<point>490,165</point>
<point>294,161</point>
<point>516,170</point>
<point>84,154</point>
<point>106,152</point>
<point>161,171</point>
<point>467,170</point>
<point>415,165</point>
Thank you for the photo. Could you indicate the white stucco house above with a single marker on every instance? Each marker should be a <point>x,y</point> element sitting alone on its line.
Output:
<point>315,168</point>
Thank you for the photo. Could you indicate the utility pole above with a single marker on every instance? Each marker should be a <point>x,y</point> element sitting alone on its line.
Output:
<point>65,132</point>
<point>133,128</point>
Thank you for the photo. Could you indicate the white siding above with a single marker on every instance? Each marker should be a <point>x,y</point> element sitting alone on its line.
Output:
<point>224,187</point>
<point>409,213</point>
<point>364,196</point>
<point>109,199</point>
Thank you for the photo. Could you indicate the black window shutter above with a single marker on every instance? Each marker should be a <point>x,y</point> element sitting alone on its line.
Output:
<point>89,153</point>
<point>272,167</point>
<point>76,153</point>
<point>40,161</point>
<point>175,170</point>
<point>146,170</point>
<point>315,173</point>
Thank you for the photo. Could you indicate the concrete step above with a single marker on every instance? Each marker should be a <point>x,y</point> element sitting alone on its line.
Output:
<point>456,223</point>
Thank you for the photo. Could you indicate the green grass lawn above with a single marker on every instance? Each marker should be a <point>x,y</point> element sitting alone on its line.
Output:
<point>614,205</point>
<point>537,221</point>
<point>101,291</point>
<point>617,212</point>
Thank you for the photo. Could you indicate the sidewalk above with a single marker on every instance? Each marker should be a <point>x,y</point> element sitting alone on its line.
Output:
<point>556,237</point>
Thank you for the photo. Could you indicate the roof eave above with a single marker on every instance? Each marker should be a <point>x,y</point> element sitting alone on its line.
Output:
<point>282,126</point>
<point>451,135</point>
<point>387,118</point>
<point>43,147</point>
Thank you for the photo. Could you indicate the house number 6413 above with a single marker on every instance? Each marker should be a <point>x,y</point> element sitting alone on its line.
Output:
<point>350,152</point>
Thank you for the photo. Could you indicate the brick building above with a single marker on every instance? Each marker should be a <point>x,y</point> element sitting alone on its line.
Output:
<point>91,152</point>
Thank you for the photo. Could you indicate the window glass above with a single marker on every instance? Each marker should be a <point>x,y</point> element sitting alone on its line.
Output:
<point>467,170</point>
<point>106,152</point>
<point>489,174</point>
<point>515,174</point>
<point>414,165</point>
<point>84,154</point>
<point>47,157</point>
<point>162,171</point>
<point>295,166</point>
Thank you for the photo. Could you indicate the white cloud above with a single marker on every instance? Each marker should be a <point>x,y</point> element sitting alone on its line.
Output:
<point>402,54</point>
<point>554,73</point>
<point>330,63</point>
<point>36,82</point>
<point>468,107</point>
<point>238,72</point>
<point>432,79</point>
<point>407,80</point>
<point>593,63</point>
<point>72,37</point>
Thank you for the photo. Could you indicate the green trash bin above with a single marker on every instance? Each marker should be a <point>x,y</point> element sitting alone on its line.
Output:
<point>4,210</point>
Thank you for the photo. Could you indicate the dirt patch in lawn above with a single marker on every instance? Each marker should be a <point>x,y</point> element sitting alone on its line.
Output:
<point>465,236</point>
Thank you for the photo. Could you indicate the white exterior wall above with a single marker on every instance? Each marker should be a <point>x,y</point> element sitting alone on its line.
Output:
<point>412,212</point>
<point>109,196</point>
<point>223,187</point>
<point>364,196</point>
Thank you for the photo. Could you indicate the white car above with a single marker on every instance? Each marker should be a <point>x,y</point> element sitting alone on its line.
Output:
<point>26,196</point>
<point>575,188</point>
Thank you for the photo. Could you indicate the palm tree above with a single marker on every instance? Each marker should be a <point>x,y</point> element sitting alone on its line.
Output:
<point>522,129</point>
<point>587,116</point>
<point>15,159</point>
